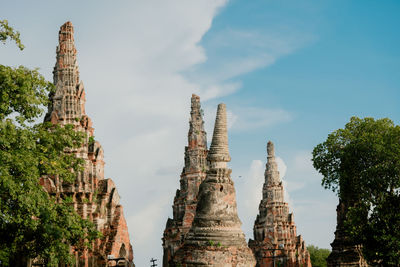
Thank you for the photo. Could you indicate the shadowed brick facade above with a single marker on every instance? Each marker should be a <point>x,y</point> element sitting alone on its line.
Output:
<point>344,252</point>
<point>193,174</point>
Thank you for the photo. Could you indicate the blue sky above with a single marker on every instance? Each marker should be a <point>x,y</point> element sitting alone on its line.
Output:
<point>289,71</point>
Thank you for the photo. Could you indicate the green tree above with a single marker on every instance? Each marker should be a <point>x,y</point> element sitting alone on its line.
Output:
<point>33,223</point>
<point>318,255</point>
<point>362,164</point>
<point>6,32</point>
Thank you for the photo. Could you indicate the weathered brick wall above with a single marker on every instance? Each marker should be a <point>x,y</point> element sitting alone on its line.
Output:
<point>215,238</point>
<point>94,197</point>
<point>275,237</point>
<point>193,173</point>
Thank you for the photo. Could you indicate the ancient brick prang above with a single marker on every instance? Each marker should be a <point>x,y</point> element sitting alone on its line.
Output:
<point>95,198</point>
<point>215,238</point>
<point>344,252</point>
<point>193,174</point>
<point>275,239</point>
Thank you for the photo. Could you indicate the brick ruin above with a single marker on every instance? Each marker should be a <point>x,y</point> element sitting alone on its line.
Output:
<point>275,238</point>
<point>344,252</point>
<point>95,198</point>
<point>215,238</point>
<point>205,228</point>
<point>193,173</point>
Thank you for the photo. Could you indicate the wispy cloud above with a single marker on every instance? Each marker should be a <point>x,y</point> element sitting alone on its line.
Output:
<point>251,118</point>
<point>234,52</point>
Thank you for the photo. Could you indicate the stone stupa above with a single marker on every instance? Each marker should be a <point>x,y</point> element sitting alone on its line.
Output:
<point>275,238</point>
<point>215,238</point>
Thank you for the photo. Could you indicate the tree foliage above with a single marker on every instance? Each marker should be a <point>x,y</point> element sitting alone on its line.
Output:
<point>33,223</point>
<point>362,164</point>
<point>6,32</point>
<point>318,255</point>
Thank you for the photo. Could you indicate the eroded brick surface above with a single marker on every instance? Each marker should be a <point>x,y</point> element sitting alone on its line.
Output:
<point>275,237</point>
<point>215,238</point>
<point>193,174</point>
<point>94,197</point>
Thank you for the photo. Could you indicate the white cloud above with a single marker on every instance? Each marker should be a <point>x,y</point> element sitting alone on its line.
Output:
<point>144,225</point>
<point>141,112</point>
<point>235,52</point>
<point>249,194</point>
<point>281,167</point>
<point>219,90</point>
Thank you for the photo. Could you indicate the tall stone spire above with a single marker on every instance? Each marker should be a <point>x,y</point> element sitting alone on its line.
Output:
<point>66,69</point>
<point>272,173</point>
<point>68,102</point>
<point>219,151</point>
<point>94,197</point>
<point>215,238</point>
<point>275,239</point>
<point>193,173</point>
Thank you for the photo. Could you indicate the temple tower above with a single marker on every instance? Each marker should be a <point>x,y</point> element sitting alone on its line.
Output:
<point>193,173</point>
<point>95,198</point>
<point>215,238</point>
<point>275,238</point>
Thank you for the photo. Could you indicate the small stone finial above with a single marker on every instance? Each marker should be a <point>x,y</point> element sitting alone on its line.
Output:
<point>68,101</point>
<point>194,96</point>
<point>66,32</point>
<point>219,151</point>
<point>66,68</point>
<point>197,136</point>
<point>270,149</point>
<point>271,173</point>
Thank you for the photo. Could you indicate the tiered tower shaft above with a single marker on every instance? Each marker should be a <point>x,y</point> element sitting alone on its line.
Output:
<point>275,238</point>
<point>193,173</point>
<point>215,238</point>
<point>94,197</point>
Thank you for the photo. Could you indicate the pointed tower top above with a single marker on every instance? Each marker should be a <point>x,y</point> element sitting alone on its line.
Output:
<point>271,172</point>
<point>66,68</point>
<point>197,136</point>
<point>219,151</point>
<point>270,149</point>
<point>67,27</point>
<point>68,102</point>
<point>194,96</point>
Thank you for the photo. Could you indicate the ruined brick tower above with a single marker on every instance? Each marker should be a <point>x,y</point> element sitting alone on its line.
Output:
<point>344,252</point>
<point>95,198</point>
<point>193,173</point>
<point>215,238</point>
<point>275,238</point>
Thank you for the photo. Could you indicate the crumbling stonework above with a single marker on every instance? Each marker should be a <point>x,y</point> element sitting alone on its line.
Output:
<point>95,198</point>
<point>344,252</point>
<point>215,238</point>
<point>275,238</point>
<point>193,173</point>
